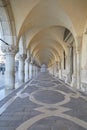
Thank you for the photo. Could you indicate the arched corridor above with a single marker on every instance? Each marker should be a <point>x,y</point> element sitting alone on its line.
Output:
<point>43,52</point>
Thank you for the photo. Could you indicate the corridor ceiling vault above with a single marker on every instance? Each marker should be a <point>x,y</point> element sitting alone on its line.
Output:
<point>43,24</point>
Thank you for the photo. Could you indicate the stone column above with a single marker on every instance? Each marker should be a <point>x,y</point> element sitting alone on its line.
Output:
<point>21,73</point>
<point>74,76</point>
<point>10,66</point>
<point>35,70</point>
<point>53,69</point>
<point>83,63</point>
<point>56,69</point>
<point>26,69</point>
<point>30,70</point>
<point>70,65</point>
<point>38,70</point>
<point>60,70</point>
<point>78,69</point>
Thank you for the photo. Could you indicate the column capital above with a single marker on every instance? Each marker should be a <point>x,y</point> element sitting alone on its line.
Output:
<point>32,61</point>
<point>77,50</point>
<point>56,62</point>
<point>70,45</point>
<point>22,56</point>
<point>28,59</point>
<point>9,49</point>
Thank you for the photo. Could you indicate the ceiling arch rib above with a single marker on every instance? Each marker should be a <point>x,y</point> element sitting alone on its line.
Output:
<point>52,15</point>
<point>39,52</point>
<point>39,61</point>
<point>7,22</point>
<point>48,53</point>
<point>55,48</point>
<point>44,62</point>
<point>48,35</point>
<point>56,30</point>
<point>21,9</point>
<point>45,25</point>
<point>52,48</point>
<point>46,42</point>
<point>40,15</point>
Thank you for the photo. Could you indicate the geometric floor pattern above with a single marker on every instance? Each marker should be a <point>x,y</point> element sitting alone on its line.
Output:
<point>44,103</point>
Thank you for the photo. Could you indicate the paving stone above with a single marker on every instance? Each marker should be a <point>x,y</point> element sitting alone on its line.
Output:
<point>23,109</point>
<point>7,128</point>
<point>79,108</point>
<point>45,84</point>
<point>34,82</point>
<point>57,82</point>
<point>64,88</point>
<point>55,123</point>
<point>52,109</point>
<point>20,105</point>
<point>30,89</point>
<point>48,96</point>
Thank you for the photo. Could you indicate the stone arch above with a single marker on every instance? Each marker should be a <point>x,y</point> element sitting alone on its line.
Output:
<point>7,22</point>
<point>28,21</point>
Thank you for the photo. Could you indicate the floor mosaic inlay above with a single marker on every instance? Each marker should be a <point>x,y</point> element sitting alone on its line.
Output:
<point>44,103</point>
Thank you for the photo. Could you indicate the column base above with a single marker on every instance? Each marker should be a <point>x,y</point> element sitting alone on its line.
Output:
<point>9,87</point>
<point>74,82</point>
<point>68,80</point>
<point>21,77</point>
<point>84,87</point>
<point>9,80</point>
<point>26,80</point>
<point>60,74</point>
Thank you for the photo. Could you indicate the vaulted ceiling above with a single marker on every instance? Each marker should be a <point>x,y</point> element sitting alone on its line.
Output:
<point>43,23</point>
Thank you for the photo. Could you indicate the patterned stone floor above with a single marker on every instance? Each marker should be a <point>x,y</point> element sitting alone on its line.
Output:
<point>45,103</point>
<point>3,92</point>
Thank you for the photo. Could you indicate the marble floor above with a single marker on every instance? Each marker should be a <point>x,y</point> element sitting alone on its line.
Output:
<point>44,103</point>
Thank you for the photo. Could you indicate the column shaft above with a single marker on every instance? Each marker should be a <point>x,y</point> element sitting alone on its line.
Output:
<point>10,71</point>
<point>60,71</point>
<point>21,69</point>
<point>10,65</point>
<point>74,78</point>
<point>70,65</point>
<point>78,70</point>
<point>30,70</point>
<point>26,70</point>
